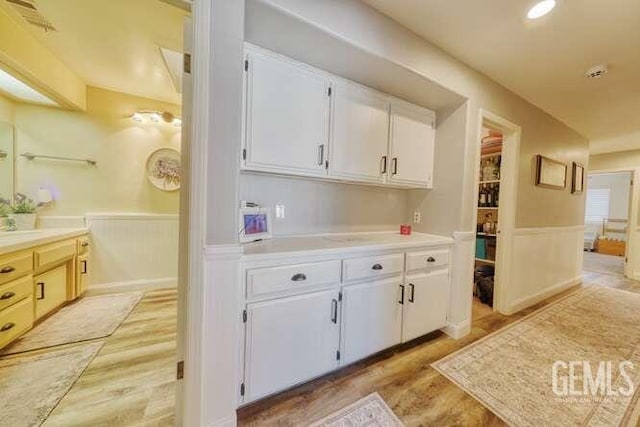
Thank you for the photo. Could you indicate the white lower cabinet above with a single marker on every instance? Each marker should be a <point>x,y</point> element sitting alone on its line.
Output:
<point>425,308</point>
<point>372,318</point>
<point>290,340</point>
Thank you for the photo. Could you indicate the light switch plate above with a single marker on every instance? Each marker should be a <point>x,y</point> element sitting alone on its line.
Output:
<point>280,211</point>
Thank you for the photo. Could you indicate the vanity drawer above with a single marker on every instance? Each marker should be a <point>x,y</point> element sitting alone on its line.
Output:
<point>13,292</point>
<point>83,245</point>
<point>371,267</point>
<point>15,320</point>
<point>292,278</point>
<point>427,259</point>
<point>15,265</point>
<point>54,253</point>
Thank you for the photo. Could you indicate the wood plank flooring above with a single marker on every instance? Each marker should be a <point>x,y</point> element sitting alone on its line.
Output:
<point>417,393</point>
<point>132,379</point>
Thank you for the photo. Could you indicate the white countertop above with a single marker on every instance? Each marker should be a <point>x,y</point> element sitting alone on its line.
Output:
<point>327,243</point>
<point>11,241</point>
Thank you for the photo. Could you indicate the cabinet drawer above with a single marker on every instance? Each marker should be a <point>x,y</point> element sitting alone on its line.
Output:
<point>82,245</point>
<point>54,253</point>
<point>291,278</point>
<point>427,259</point>
<point>50,290</point>
<point>13,292</point>
<point>374,266</point>
<point>15,265</point>
<point>15,320</point>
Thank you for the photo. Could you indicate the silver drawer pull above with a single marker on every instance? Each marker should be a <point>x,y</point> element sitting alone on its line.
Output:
<point>7,326</point>
<point>376,267</point>
<point>6,270</point>
<point>8,295</point>
<point>431,259</point>
<point>298,277</point>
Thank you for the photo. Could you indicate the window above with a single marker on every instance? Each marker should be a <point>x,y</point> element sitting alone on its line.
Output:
<point>597,207</point>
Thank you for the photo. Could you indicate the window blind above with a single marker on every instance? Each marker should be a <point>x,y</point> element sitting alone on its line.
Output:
<point>598,204</point>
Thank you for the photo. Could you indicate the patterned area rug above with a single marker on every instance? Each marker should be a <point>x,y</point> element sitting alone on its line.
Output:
<point>370,411</point>
<point>523,372</point>
<point>31,386</point>
<point>86,319</point>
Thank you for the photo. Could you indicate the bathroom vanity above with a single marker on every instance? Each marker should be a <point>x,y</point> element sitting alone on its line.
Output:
<point>40,270</point>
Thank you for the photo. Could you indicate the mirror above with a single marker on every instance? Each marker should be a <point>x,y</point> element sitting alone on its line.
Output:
<point>6,160</point>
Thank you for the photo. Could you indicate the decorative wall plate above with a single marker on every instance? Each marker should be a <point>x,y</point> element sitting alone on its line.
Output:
<point>164,169</point>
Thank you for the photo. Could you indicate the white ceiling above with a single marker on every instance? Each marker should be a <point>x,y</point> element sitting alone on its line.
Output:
<point>544,61</point>
<point>115,44</point>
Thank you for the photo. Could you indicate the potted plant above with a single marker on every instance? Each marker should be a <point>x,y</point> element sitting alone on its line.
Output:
<point>23,212</point>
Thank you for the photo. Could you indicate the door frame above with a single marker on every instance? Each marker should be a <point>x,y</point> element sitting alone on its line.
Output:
<point>511,134</point>
<point>191,264</point>
<point>632,228</point>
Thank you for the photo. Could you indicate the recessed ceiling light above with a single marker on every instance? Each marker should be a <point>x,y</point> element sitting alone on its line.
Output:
<point>541,8</point>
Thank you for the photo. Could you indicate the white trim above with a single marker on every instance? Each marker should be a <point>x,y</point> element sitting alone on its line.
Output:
<point>523,303</point>
<point>191,394</point>
<point>508,196</point>
<point>457,330</point>
<point>132,285</point>
<point>543,230</point>
<point>462,236</point>
<point>230,421</point>
<point>222,252</point>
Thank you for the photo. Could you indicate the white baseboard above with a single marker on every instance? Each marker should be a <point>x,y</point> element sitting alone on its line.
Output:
<point>132,285</point>
<point>542,295</point>
<point>457,330</point>
<point>229,421</point>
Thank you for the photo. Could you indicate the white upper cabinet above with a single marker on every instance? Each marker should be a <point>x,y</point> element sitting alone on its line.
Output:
<point>411,145</point>
<point>287,116</point>
<point>359,133</point>
<point>299,120</point>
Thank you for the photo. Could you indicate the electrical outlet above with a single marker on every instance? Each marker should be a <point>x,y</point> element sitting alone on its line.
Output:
<point>417,217</point>
<point>280,211</point>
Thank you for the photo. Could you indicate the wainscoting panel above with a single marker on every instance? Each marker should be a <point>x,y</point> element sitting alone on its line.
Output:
<point>545,261</point>
<point>459,315</point>
<point>132,251</point>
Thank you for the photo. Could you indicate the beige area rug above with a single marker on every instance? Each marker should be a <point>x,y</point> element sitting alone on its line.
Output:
<point>31,386</point>
<point>370,411</point>
<point>86,319</point>
<point>511,371</point>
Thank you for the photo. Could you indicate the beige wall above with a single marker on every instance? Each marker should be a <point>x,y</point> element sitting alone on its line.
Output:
<point>104,132</point>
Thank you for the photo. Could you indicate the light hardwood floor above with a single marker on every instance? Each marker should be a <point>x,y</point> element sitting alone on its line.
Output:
<point>417,393</point>
<point>132,379</point>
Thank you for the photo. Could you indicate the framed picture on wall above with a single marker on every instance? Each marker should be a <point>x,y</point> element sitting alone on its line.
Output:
<point>577,181</point>
<point>550,173</point>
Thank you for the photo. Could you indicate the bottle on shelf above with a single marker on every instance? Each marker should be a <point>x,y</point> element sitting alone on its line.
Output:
<point>490,196</point>
<point>482,197</point>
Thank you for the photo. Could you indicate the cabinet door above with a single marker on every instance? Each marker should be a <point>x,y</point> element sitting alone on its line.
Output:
<point>411,145</point>
<point>50,290</point>
<point>287,116</point>
<point>82,274</point>
<point>372,318</point>
<point>425,303</point>
<point>359,133</point>
<point>290,340</point>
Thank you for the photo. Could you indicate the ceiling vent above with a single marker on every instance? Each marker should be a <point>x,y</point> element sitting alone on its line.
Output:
<point>597,71</point>
<point>28,10</point>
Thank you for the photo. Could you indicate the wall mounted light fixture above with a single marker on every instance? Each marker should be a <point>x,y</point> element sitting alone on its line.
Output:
<point>156,117</point>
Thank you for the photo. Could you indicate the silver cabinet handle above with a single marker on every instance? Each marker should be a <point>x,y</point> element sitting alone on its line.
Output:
<point>321,155</point>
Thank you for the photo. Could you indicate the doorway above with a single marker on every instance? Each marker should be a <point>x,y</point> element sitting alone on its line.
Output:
<point>497,154</point>
<point>607,222</point>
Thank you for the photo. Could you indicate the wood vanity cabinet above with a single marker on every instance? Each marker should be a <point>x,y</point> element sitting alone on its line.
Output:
<point>35,282</point>
<point>299,120</point>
